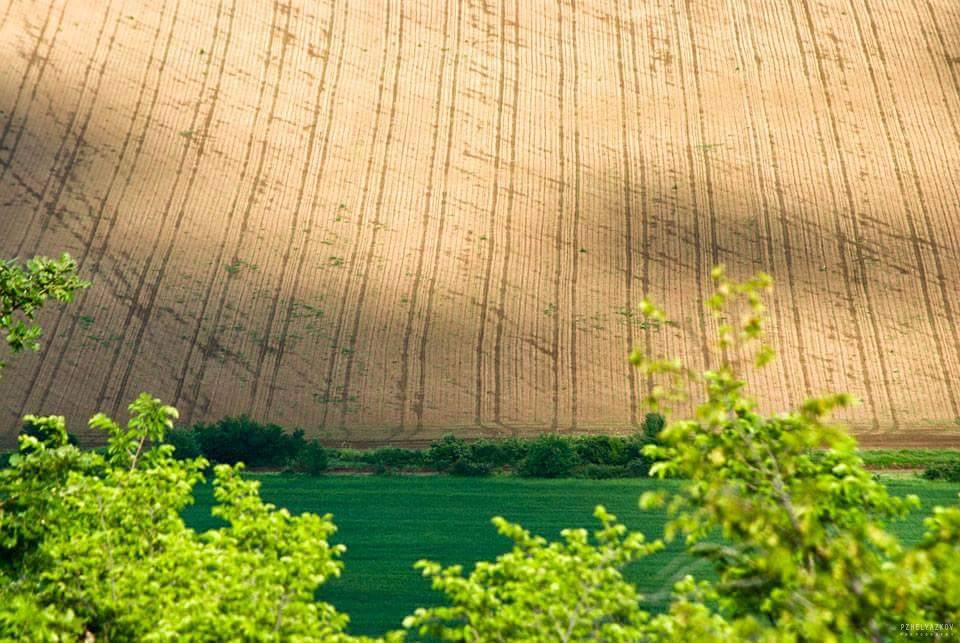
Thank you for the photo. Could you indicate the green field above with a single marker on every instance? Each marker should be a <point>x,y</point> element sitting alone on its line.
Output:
<point>388,523</point>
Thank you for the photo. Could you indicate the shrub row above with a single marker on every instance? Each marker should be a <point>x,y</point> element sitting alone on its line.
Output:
<point>948,472</point>
<point>241,439</point>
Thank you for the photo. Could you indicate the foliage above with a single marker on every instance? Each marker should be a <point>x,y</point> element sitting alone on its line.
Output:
<point>312,459</point>
<point>455,455</point>
<point>949,472</point>
<point>446,452</point>
<point>781,506</point>
<point>569,590</point>
<point>24,290</point>
<point>549,456</point>
<point>653,424</point>
<point>184,442</point>
<point>93,546</point>
<point>241,439</point>
<point>31,429</point>
<point>600,449</point>
<point>393,459</point>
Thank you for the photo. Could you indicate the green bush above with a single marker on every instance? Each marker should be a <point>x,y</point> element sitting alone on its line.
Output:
<point>184,442</point>
<point>468,466</point>
<point>653,424</point>
<point>35,430</point>
<point>93,547</point>
<point>549,456</point>
<point>311,459</point>
<point>948,472</point>
<point>241,439</point>
<point>499,453</point>
<point>393,459</point>
<point>639,467</point>
<point>446,452</point>
<point>601,449</point>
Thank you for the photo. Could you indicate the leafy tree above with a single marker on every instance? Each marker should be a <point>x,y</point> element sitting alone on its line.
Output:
<point>93,546</point>
<point>549,456</point>
<point>569,590</point>
<point>781,506</point>
<point>24,290</point>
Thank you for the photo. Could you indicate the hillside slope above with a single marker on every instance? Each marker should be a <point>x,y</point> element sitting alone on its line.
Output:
<point>384,219</point>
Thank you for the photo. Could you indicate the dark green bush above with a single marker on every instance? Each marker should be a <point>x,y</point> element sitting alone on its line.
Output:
<point>653,423</point>
<point>948,472</point>
<point>392,458</point>
<point>454,455</point>
<point>344,456</point>
<point>601,449</point>
<point>240,439</point>
<point>184,442</point>
<point>639,467</point>
<point>312,459</point>
<point>468,466</point>
<point>549,456</point>
<point>498,453</point>
<point>444,454</point>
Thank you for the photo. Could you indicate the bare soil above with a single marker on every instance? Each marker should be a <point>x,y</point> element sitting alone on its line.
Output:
<point>388,219</point>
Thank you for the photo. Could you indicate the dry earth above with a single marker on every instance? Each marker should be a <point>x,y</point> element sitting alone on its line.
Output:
<point>383,219</point>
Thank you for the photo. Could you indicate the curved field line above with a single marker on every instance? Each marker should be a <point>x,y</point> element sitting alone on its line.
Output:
<point>781,206</point>
<point>34,57</point>
<point>915,240</point>
<point>841,240</point>
<point>68,166</point>
<point>221,246</point>
<point>328,128</point>
<point>378,211</point>
<point>491,227</point>
<point>294,225</point>
<point>508,230</point>
<point>432,289</point>
<point>627,215</point>
<point>694,206</point>
<point>150,307</point>
<point>335,348</point>
<point>404,380</point>
<point>93,272</point>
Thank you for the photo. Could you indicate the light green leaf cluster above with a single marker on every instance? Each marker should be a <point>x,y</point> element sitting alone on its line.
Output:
<point>94,546</point>
<point>23,290</point>
<point>570,590</point>
<point>792,522</point>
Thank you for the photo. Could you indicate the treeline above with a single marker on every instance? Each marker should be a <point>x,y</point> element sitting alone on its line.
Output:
<point>260,446</point>
<point>268,446</point>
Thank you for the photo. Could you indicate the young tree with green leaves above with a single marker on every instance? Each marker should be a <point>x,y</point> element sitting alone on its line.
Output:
<point>781,506</point>
<point>93,546</point>
<point>25,289</point>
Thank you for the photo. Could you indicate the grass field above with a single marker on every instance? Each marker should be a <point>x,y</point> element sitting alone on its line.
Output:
<point>388,523</point>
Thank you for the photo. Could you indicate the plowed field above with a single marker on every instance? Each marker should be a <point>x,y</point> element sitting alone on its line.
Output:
<point>386,219</point>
